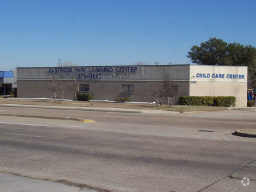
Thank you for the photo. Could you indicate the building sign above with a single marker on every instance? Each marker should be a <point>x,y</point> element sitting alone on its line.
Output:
<point>218,73</point>
<point>218,76</point>
<point>91,72</point>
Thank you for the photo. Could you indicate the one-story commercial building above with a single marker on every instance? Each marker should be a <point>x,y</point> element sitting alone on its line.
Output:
<point>139,82</point>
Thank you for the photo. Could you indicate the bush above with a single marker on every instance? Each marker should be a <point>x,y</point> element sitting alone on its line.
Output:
<point>250,103</point>
<point>122,99</point>
<point>207,101</point>
<point>83,97</point>
<point>196,100</point>
<point>225,101</point>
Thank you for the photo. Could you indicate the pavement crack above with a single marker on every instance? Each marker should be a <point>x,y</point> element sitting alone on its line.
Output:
<point>244,165</point>
<point>66,182</point>
<point>211,184</point>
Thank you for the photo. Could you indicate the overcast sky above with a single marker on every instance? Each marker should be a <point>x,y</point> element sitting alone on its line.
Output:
<point>111,32</point>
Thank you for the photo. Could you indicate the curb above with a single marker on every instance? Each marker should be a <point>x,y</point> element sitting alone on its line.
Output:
<point>245,133</point>
<point>90,109</point>
<point>113,110</point>
<point>241,108</point>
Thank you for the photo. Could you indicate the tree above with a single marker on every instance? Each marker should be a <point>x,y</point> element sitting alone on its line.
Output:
<point>218,52</point>
<point>54,86</point>
<point>211,52</point>
<point>74,87</point>
<point>166,91</point>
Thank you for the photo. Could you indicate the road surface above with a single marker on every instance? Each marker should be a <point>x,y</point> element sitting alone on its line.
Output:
<point>131,152</point>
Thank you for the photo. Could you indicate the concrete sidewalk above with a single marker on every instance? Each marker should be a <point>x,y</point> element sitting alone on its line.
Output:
<point>12,183</point>
<point>99,109</point>
<point>78,114</point>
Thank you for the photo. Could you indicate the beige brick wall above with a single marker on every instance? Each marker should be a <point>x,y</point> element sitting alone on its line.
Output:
<point>143,90</point>
<point>239,90</point>
<point>136,73</point>
<point>217,82</point>
<point>41,88</point>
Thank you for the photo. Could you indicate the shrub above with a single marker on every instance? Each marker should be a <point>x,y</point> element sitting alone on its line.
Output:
<point>224,101</point>
<point>83,96</point>
<point>250,103</point>
<point>196,100</point>
<point>207,101</point>
<point>122,99</point>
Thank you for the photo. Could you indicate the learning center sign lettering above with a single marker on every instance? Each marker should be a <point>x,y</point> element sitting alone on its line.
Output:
<point>92,72</point>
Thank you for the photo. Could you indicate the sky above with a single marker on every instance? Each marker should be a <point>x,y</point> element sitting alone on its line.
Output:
<point>117,32</point>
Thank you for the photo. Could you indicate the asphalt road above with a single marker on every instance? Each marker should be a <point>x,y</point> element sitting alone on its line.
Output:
<point>132,152</point>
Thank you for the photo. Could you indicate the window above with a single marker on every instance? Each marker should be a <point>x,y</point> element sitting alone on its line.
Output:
<point>84,88</point>
<point>128,89</point>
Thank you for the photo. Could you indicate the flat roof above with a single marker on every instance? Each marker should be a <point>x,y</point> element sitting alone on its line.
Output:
<point>174,65</point>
